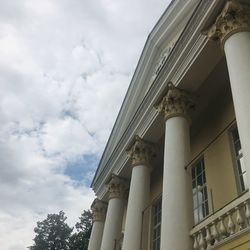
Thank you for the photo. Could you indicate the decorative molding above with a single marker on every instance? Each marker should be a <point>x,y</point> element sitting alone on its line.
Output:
<point>176,102</point>
<point>234,18</point>
<point>117,187</point>
<point>142,152</point>
<point>99,209</point>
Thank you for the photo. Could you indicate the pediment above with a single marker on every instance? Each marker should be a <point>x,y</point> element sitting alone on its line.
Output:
<point>158,48</point>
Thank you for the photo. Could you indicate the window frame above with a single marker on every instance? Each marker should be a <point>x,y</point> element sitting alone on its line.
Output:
<point>204,204</point>
<point>157,202</point>
<point>235,160</point>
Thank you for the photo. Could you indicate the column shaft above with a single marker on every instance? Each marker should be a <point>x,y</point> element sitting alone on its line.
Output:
<point>177,214</point>
<point>138,200</point>
<point>96,235</point>
<point>177,217</point>
<point>113,224</point>
<point>99,209</point>
<point>237,49</point>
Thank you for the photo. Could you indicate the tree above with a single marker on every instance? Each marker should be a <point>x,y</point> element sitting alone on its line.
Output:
<point>80,239</point>
<point>53,233</point>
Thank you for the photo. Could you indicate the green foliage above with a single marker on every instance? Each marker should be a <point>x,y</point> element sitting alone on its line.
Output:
<point>80,239</point>
<point>53,233</point>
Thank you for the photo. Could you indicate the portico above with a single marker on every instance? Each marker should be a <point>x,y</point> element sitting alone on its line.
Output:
<point>186,122</point>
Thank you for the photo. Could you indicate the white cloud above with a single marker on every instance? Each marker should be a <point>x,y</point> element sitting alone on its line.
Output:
<point>64,69</point>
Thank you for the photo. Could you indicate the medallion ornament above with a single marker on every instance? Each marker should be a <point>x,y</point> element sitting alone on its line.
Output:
<point>234,18</point>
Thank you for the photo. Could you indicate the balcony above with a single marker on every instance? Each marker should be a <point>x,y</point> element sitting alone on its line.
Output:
<point>229,222</point>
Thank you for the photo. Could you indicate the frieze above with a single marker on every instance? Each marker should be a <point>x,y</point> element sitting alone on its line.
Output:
<point>163,57</point>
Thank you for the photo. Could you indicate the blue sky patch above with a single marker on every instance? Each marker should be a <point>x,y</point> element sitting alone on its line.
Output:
<point>83,169</point>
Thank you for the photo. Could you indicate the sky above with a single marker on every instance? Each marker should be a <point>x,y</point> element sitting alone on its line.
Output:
<point>65,66</point>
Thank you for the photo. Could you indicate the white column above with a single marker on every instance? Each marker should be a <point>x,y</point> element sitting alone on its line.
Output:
<point>113,225</point>
<point>99,209</point>
<point>177,214</point>
<point>236,41</point>
<point>141,154</point>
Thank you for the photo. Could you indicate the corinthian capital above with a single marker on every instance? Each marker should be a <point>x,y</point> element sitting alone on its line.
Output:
<point>142,152</point>
<point>99,209</point>
<point>235,17</point>
<point>117,187</point>
<point>176,102</point>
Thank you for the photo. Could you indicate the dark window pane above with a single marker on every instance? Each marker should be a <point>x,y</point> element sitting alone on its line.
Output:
<point>205,193</point>
<point>199,180</point>
<point>204,177</point>
<point>242,184</point>
<point>158,244</point>
<point>198,169</point>
<point>193,173</point>
<point>237,147</point>
<point>235,134</point>
<point>206,204</point>
<point>154,245</point>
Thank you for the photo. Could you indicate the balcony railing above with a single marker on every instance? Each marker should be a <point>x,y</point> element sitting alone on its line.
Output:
<point>228,222</point>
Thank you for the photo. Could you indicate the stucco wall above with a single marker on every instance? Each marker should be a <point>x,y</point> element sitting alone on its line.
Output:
<point>212,141</point>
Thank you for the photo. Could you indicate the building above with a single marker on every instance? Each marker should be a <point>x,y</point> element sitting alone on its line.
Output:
<point>176,170</point>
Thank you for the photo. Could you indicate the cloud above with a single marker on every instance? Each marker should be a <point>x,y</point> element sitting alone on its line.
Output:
<point>64,70</point>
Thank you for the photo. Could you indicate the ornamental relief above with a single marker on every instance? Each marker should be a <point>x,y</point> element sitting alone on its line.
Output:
<point>99,209</point>
<point>177,102</point>
<point>235,17</point>
<point>163,57</point>
<point>142,153</point>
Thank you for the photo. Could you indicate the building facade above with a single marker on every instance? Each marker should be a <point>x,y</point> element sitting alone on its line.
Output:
<point>175,173</point>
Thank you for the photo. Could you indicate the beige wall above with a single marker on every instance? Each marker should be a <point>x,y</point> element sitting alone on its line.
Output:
<point>212,141</point>
<point>220,173</point>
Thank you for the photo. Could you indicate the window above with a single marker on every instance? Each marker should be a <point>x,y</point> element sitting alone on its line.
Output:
<point>156,225</point>
<point>240,167</point>
<point>200,198</point>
